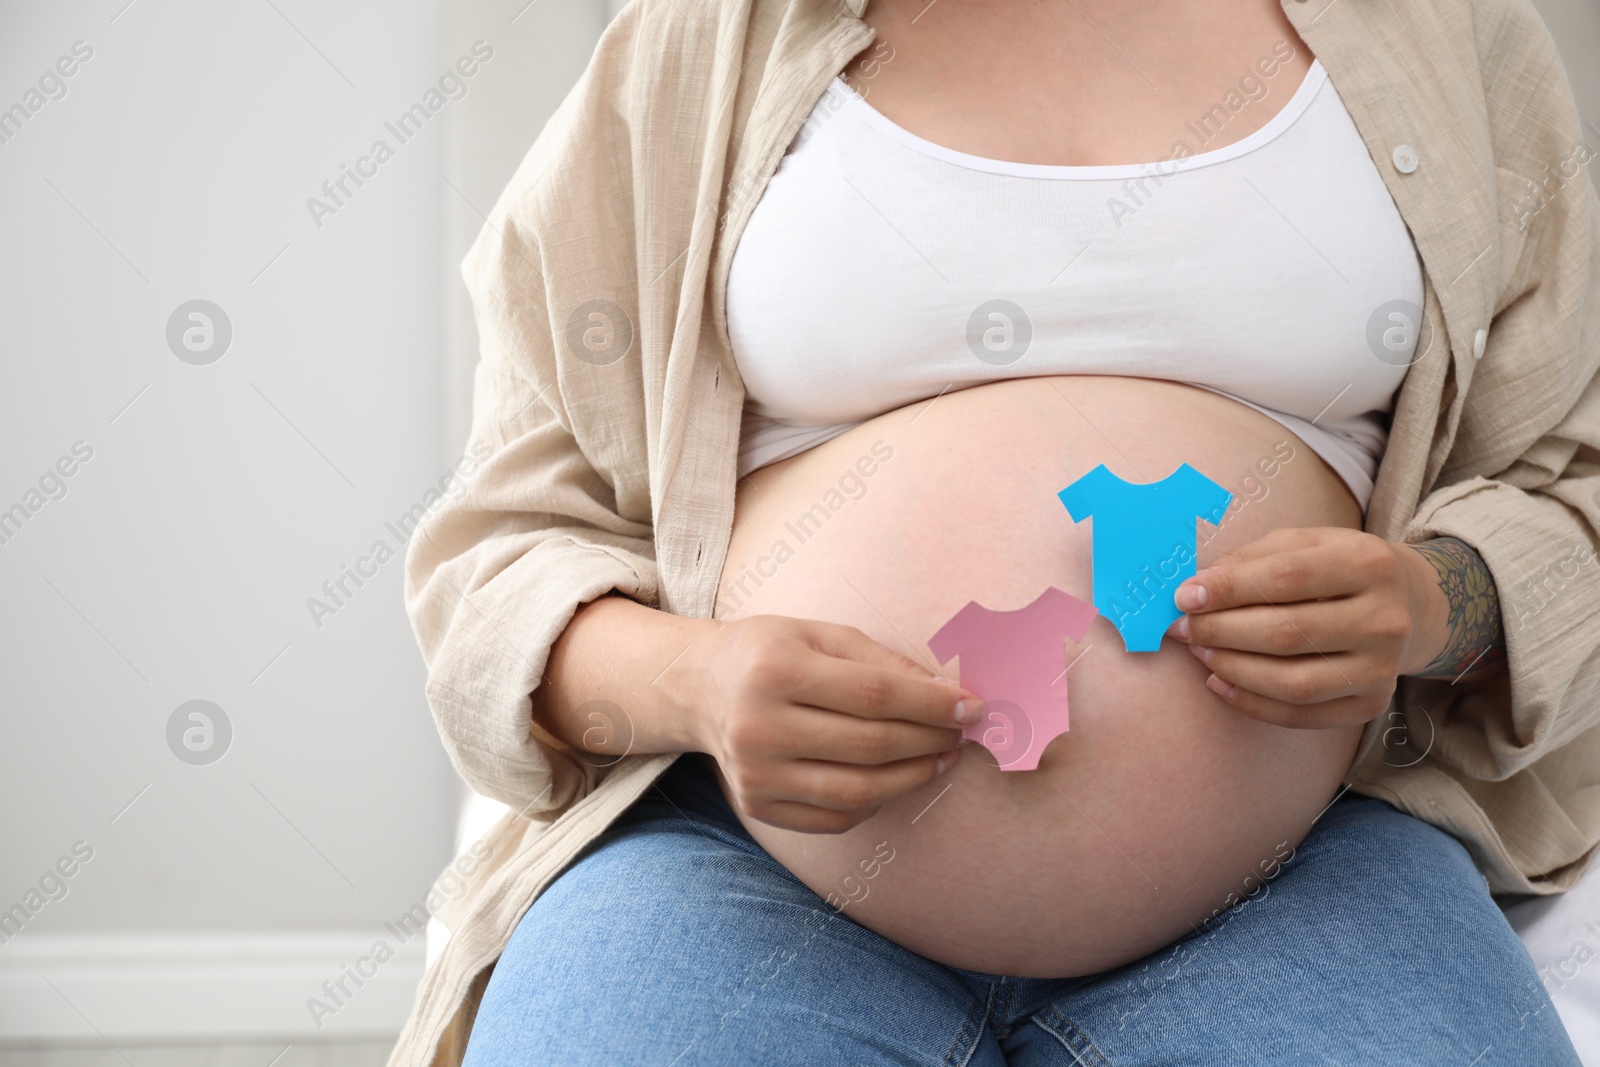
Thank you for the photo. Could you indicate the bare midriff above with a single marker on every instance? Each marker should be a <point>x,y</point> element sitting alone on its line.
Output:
<point>1162,804</point>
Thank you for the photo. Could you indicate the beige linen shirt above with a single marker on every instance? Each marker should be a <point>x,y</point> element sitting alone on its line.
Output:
<point>609,396</point>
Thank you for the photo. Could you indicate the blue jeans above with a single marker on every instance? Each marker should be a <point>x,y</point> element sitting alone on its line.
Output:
<point>675,939</point>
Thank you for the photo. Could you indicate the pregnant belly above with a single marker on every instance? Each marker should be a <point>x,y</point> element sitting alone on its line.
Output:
<point>1162,804</point>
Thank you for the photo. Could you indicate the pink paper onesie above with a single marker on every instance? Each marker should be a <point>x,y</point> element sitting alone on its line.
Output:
<point>1014,660</point>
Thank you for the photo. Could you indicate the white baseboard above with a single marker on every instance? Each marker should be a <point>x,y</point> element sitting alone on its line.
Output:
<point>164,986</point>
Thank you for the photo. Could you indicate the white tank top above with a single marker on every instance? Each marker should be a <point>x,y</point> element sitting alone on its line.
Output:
<point>879,269</point>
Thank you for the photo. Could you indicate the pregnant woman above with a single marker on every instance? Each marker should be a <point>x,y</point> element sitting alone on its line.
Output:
<point>807,325</point>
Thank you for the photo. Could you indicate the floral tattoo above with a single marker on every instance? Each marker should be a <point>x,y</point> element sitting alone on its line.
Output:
<point>1477,633</point>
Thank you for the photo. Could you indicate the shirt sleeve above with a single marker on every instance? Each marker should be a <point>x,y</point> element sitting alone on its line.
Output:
<point>494,575</point>
<point>1083,496</point>
<point>1079,615</point>
<point>1535,521</point>
<point>1521,753</point>
<point>1202,496</point>
<point>947,643</point>
<point>1066,614</point>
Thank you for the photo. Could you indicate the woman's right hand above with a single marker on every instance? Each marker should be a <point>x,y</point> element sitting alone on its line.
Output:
<point>814,724</point>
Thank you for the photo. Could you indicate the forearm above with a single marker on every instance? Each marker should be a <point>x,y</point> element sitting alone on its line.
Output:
<point>1464,620</point>
<point>613,684</point>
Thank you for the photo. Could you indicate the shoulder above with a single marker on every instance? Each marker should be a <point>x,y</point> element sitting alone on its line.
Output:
<point>1483,78</point>
<point>711,21</point>
<point>659,56</point>
<point>1512,44</point>
<point>1504,28</point>
<point>643,94</point>
<point>672,85</point>
<point>1523,98</point>
<point>1501,42</point>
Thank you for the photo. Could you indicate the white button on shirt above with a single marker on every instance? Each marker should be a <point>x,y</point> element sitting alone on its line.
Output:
<point>1405,159</point>
<point>1479,341</point>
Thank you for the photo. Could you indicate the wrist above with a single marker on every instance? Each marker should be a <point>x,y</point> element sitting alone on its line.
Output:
<point>1430,610</point>
<point>682,684</point>
<point>1463,589</point>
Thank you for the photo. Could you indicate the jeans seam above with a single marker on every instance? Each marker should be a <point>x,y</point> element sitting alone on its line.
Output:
<point>1076,1041</point>
<point>973,1023</point>
<point>1004,1014</point>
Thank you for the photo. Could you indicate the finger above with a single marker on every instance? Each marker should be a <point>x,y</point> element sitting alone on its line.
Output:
<point>1279,578</point>
<point>848,642</point>
<point>1296,680</point>
<point>1283,539</point>
<point>1314,626</point>
<point>871,689</point>
<point>1346,711</point>
<point>813,733</point>
<point>841,787</point>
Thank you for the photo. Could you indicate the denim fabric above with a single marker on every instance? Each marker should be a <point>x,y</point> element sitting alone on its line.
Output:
<point>675,939</point>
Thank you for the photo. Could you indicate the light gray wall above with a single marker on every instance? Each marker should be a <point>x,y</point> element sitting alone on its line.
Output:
<point>219,497</point>
<point>547,48</point>
<point>181,161</point>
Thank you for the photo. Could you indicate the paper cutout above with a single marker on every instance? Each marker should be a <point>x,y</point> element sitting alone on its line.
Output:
<point>1014,661</point>
<point>1144,544</point>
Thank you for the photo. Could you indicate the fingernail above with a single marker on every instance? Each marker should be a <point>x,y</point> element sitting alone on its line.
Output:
<point>1226,690</point>
<point>1180,629</point>
<point>969,711</point>
<point>1202,653</point>
<point>1191,597</point>
<point>945,762</point>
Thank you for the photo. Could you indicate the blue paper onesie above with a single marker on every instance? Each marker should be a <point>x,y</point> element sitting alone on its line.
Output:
<point>1144,544</point>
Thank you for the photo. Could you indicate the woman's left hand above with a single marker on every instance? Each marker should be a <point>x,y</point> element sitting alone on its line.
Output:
<point>1312,627</point>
